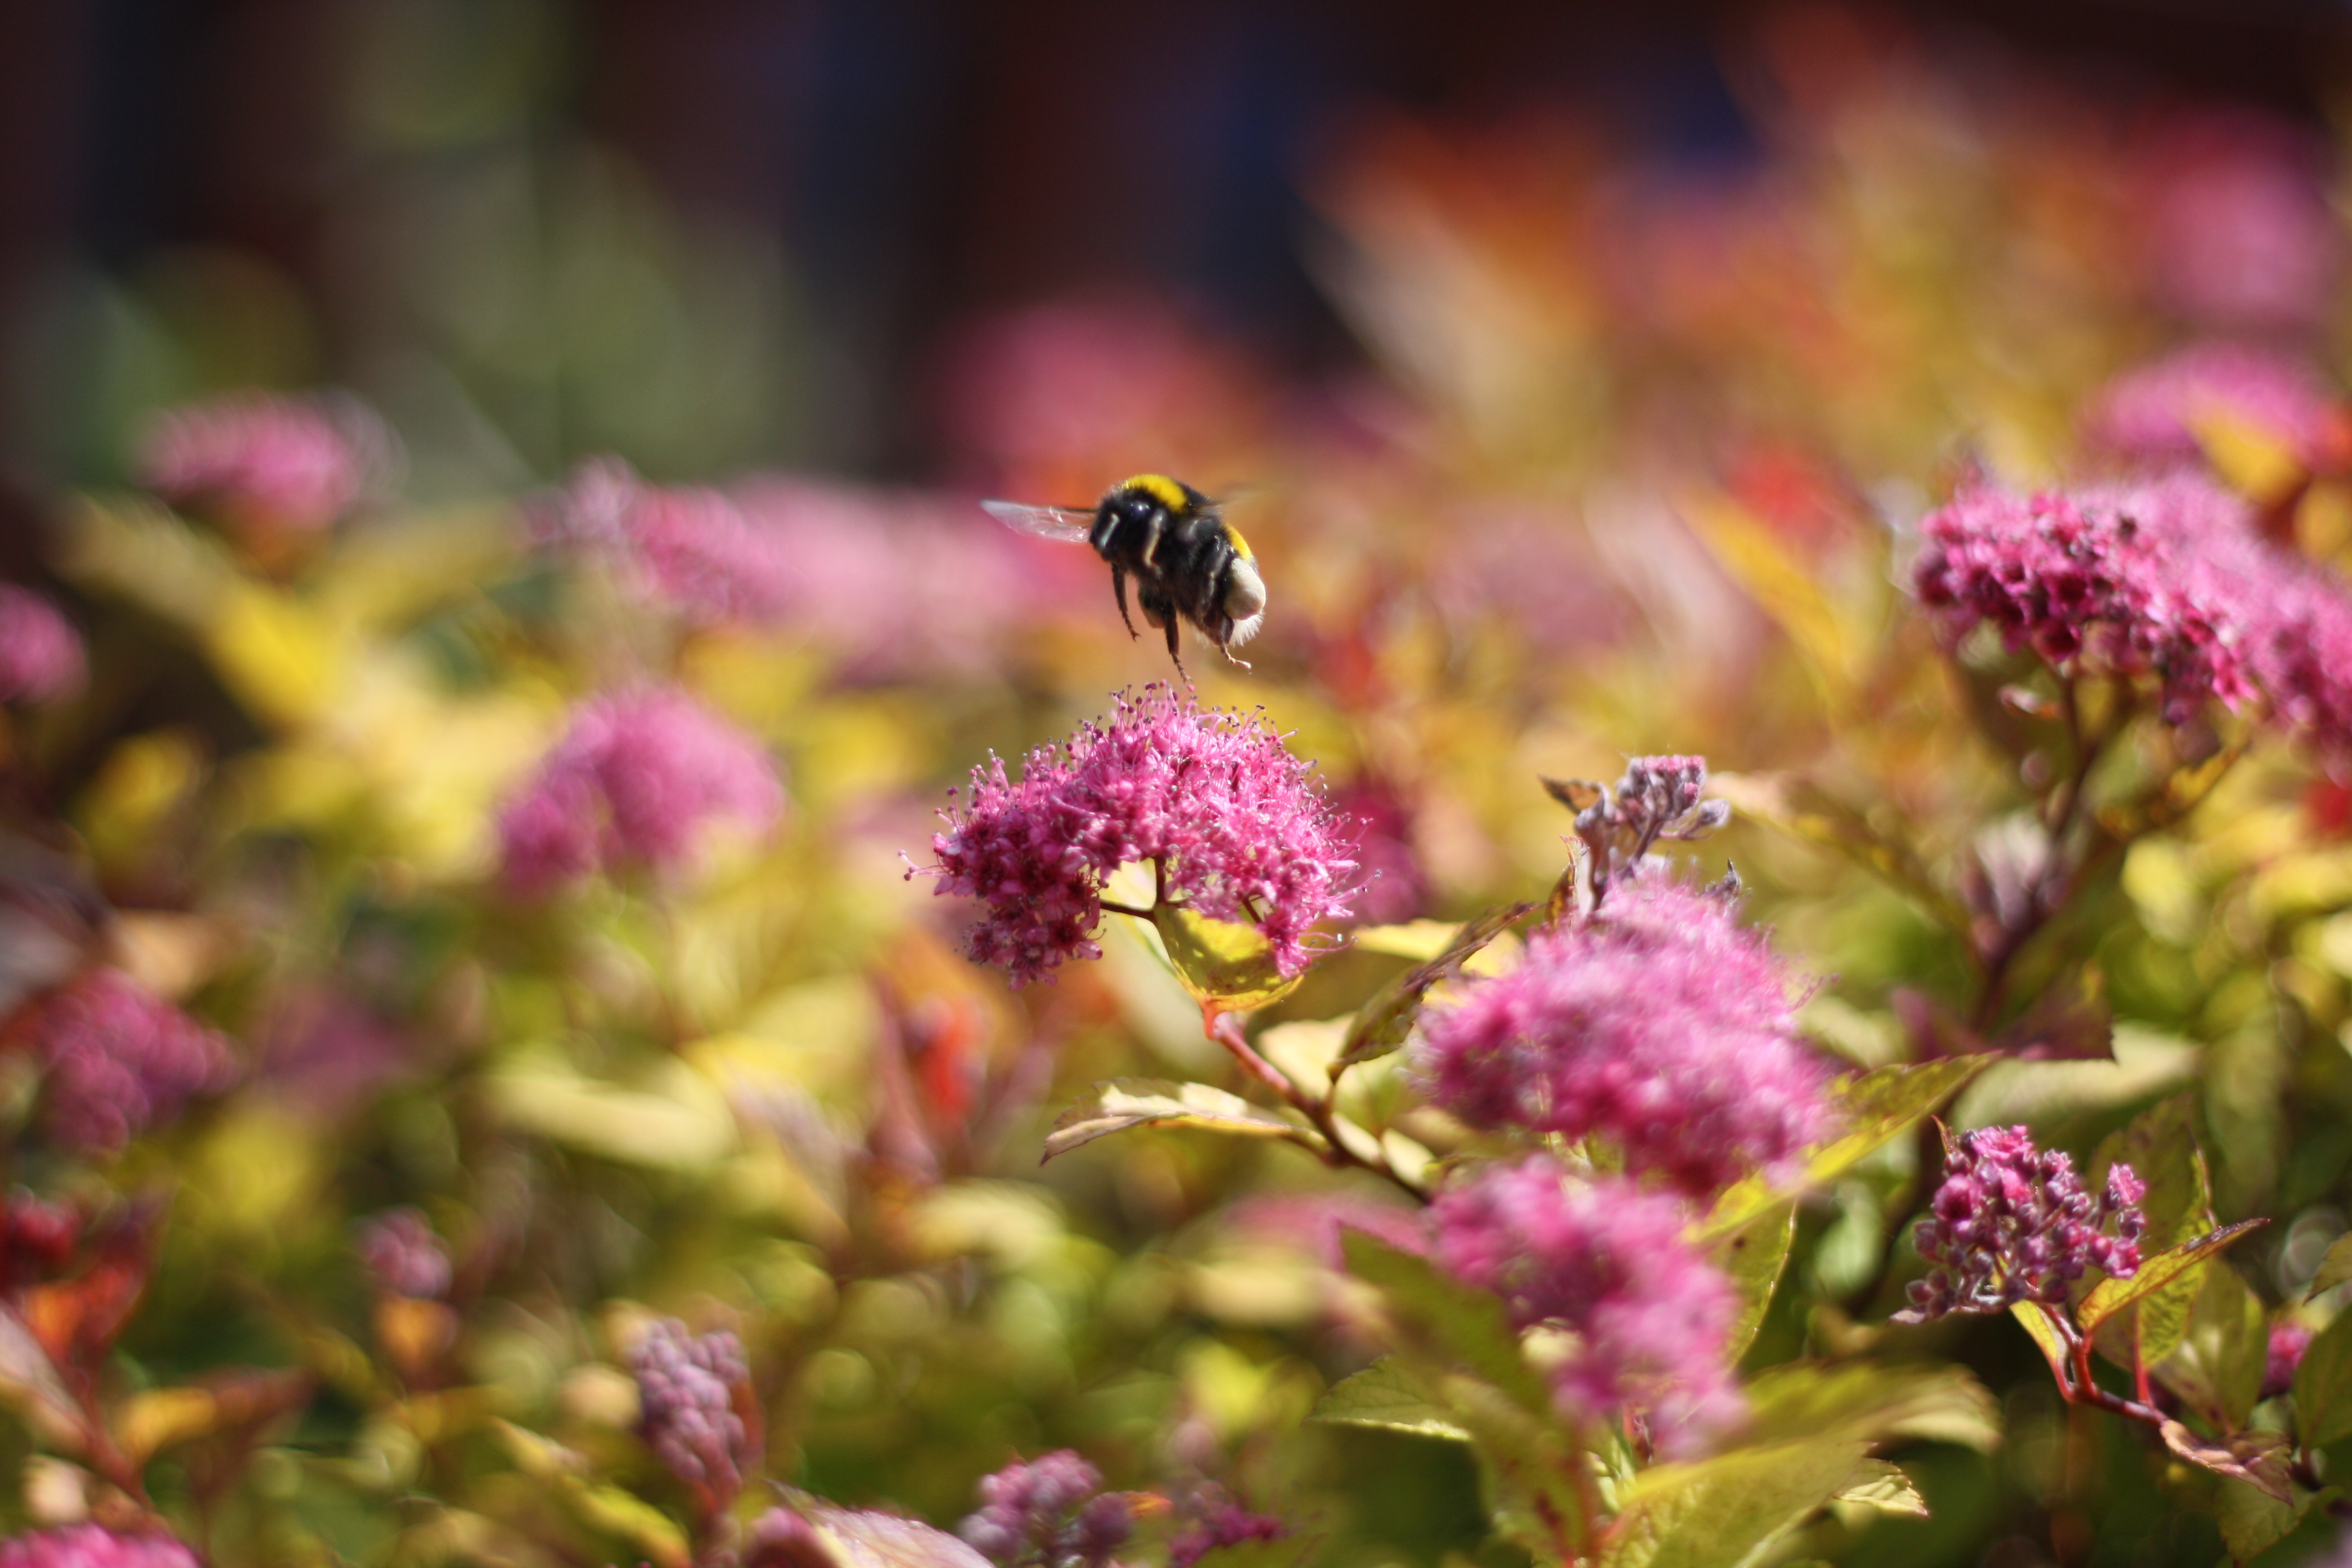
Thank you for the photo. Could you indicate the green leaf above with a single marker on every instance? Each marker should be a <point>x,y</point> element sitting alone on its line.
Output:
<point>1803,810</point>
<point>2334,1270</point>
<point>2322,1385</point>
<point>1715,1513</point>
<point>2111,1296</point>
<point>1858,1402</point>
<point>2258,1458</point>
<point>1385,1395</point>
<point>1225,965</point>
<point>2161,1149</point>
<point>2041,1327</point>
<point>1382,1022</point>
<point>1125,1103</point>
<point>2217,1368</point>
<point>1872,1107</point>
<point>1752,1258</point>
<point>561,1471</point>
<point>1463,1325</point>
<point>1528,1463</point>
<point>1878,1484</point>
<point>2253,1522</point>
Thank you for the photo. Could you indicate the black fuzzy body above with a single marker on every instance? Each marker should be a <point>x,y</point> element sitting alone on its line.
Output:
<point>1180,556</point>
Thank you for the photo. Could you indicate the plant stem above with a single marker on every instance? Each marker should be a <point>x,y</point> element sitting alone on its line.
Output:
<point>1225,1029</point>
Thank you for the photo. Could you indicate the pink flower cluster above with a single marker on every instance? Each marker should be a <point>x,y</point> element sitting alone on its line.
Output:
<point>2240,228</point>
<point>2166,579</point>
<point>120,1059</point>
<point>1657,800</point>
<point>632,783</point>
<point>402,1256</point>
<point>92,1546</point>
<point>688,1386</point>
<point>278,464</point>
<point>2012,1224</point>
<point>1215,798</point>
<point>1607,1260</point>
<point>2151,415</point>
<point>1220,1521</point>
<point>40,655</point>
<point>1049,1513</point>
<point>1662,1024</point>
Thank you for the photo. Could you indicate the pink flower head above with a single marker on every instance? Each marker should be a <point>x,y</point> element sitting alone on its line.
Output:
<point>2012,1224</point>
<point>2240,231</point>
<point>120,1059</point>
<point>691,549</point>
<point>403,1256</point>
<point>1220,1521</point>
<point>2288,1341</point>
<point>1243,832</point>
<point>1049,1513</point>
<point>2151,415</point>
<point>92,1546</point>
<point>633,782</point>
<point>1606,1260</point>
<point>688,1390</point>
<point>269,463</point>
<point>1662,1024</point>
<point>40,653</point>
<point>2167,579</point>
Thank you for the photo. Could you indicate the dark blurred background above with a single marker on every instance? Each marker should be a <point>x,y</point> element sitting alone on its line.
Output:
<point>717,234</point>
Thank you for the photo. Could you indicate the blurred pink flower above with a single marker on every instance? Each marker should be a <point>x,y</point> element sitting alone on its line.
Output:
<point>687,1389</point>
<point>1660,1024</point>
<point>1607,1260</point>
<point>120,1059</point>
<point>40,653</point>
<point>1243,832</point>
<point>2167,579</point>
<point>403,1256</point>
<point>1048,1512</point>
<point>632,783</point>
<point>2239,232</point>
<point>91,1546</point>
<point>267,462</point>
<point>2150,414</point>
<point>2288,1341</point>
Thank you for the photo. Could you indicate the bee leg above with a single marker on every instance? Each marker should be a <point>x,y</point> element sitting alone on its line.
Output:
<point>1172,650</point>
<point>1233,658</point>
<point>1118,590</point>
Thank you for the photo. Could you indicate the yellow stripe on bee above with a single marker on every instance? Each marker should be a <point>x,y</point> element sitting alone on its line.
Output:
<point>1160,488</point>
<point>1241,546</point>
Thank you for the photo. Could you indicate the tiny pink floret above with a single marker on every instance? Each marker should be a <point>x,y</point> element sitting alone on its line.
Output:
<point>40,653</point>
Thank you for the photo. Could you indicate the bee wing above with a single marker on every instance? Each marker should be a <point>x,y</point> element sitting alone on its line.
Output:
<point>1066,523</point>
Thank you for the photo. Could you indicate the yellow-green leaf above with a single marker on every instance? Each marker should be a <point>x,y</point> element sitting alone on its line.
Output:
<point>1382,1022</point>
<point>2160,1147</point>
<point>2322,1385</point>
<point>1225,965</point>
<point>2112,1296</point>
<point>1752,1258</point>
<point>1385,1395</point>
<point>1124,1102</point>
<point>1719,1513</point>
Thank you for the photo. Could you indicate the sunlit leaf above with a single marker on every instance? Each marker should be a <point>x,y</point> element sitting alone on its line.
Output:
<point>2334,1268</point>
<point>1882,1485</point>
<point>2253,1520</point>
<point>1454,1321</point>
<point>674,1118</point>
<point>2160,1146</point>
<point>1717,1513</point>
<point>1224,964</point>
<point>866,1537</point>
<point>1784,587</point>
<point>1802,810</point>
<point>1384,1395</point>
<point>2322,1385</point>
<point>2258,1458</point>
<point>2217,1366</point>
<point>1752,1258</point>
<point>2112,1296</point>
<point>1872,1107</point>
<point>2036,1320</point>
<point>1527,1462</point>
<point>1125,1103</point>
<point>154,1419</point>
<point>1861,1402</point>
<point>1382,1022</point>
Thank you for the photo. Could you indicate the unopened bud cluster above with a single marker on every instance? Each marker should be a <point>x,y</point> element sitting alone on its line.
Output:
<point>2012,1224</point>
<point>1049,1513</point>
<point>1657,801</point>
<point>685,1394</point>
<point>403,1256</point>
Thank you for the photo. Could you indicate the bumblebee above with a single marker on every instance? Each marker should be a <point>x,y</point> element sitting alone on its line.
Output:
<point>1188,563</point>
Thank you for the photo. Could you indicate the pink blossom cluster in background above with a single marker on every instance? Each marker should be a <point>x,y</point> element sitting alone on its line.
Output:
<point>2012,1223</point>
<point>687,1388</point>
<point>892,585</point>
<point>2152,416</point>
<point>92,1546</point>
<point>2167,579</point>
<point>1607,1260</point>
<point>2238,229</point>
<point>1048,1512</point>
<point>1243,830</point>
<point>1662,1024</point>
<point>265,462</point>
<point>633,782</point>
<point>402,1256</point>
<point>41,656</point>
<point>120,1059</point>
